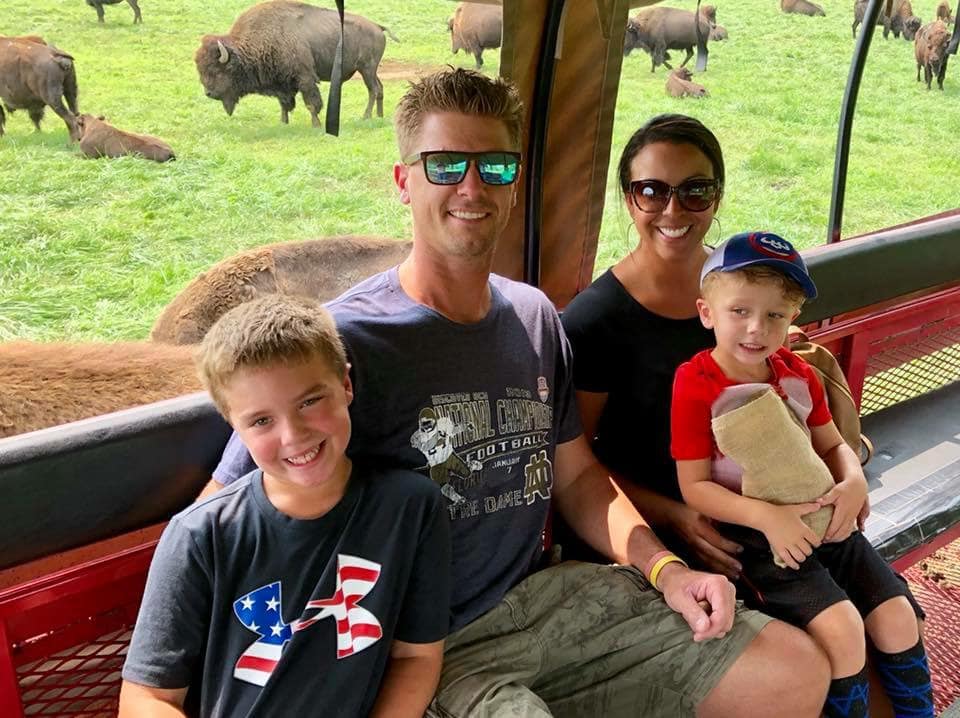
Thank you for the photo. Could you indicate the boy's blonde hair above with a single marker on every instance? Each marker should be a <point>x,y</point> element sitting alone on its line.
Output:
<point>457,90</point>
<point>271,330</point>
<point>760,274</point>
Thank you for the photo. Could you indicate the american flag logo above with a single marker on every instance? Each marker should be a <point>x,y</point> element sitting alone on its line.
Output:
<point>259,611</point>
<point>357,628</point>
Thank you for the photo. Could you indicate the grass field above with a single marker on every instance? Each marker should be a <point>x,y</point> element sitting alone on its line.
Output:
<point>95,249</point>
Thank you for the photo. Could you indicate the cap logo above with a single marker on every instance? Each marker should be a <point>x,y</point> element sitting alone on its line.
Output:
<point>773,246</point>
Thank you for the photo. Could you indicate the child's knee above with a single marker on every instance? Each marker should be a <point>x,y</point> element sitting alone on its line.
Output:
<point>839,631</point>
<point>892,626</point>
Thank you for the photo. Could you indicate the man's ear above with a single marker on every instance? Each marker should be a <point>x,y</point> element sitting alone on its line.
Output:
<point>703,309</point>
<point>401,175</point>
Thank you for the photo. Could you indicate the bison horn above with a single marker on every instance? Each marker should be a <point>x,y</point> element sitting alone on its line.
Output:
<point>224,55</point>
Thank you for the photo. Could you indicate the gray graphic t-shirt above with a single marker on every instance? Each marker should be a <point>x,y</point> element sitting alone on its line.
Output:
<point>477,407</point>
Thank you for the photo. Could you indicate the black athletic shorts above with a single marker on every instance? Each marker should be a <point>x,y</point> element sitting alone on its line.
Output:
<point>851,569</point>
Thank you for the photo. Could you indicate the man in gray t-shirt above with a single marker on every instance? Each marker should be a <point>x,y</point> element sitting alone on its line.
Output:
<point>466,376</point>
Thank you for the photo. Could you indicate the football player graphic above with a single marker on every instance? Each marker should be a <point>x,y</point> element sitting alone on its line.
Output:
<point>434,439</point>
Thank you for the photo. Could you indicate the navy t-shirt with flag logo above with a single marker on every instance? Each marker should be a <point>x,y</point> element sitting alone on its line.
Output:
<point>265,615</point>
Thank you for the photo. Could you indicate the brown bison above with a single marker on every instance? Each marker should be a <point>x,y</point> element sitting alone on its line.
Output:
<point>801,7</point>
<point>475,28</point>
<point>930,49</point>
<point>101,139</point>
<point>901,19</point>
<point>319,268</point>
<point>679,84</point>
<point>718,33</point>
<point>943,12</point>
<point>98,6</point>
<point>34,75</point>
<point>279,48</point>
<point>45,385</point>
<point>658,29</point>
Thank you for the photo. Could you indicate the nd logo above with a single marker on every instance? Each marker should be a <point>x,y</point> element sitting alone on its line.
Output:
<point>539,477</point>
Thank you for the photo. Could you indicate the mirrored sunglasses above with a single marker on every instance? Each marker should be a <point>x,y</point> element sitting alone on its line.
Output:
<point>443,167</point>
<point>695,195</point>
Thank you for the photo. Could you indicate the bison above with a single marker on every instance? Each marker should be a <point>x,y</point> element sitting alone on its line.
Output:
<point>679,84</point>
<point>943,12</point>
<point>101,139</point>
<point>44,385</point>
<point>279,48</point>
<point>475,28</point>
<point>801,7</point>
<point>319,268</point>
<point>658,29</point>
<point>98,6</point>
<point>901,19</point>
<point>718,33</point>
<point>930,49</point>
<point>34,75</point>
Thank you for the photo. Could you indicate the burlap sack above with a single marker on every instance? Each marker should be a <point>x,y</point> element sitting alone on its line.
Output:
<point>779,465</point>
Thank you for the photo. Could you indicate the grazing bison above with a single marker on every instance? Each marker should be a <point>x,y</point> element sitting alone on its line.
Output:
<point>801,7</point>
<point>44,385</point>
<point>475,28</point>
<point>319,268</point>
<point>98,6</point>
<point>943,12</point>
<point>930,49</point>
<point>34,75</point>
<point>679,84</point>
<point>100,139</point>
<point>901,19</point>
<point>280,48</point>
<point>658,29</point>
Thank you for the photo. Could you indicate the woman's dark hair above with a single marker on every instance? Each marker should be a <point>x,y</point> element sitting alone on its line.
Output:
<point>680,130</point>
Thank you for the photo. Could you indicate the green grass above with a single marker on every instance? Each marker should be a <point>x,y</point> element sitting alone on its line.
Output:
<point>95,249</point>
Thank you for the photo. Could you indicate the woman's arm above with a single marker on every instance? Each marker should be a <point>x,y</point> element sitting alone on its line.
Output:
<point>790,538</point>
<point>137,701</point>
<point>413,673</point>
<point>714,552</point>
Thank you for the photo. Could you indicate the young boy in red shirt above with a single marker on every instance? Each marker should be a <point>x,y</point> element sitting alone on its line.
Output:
<point>749,422</point>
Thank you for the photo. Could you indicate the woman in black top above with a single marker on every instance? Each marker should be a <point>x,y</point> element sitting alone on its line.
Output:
<point>638,322</point>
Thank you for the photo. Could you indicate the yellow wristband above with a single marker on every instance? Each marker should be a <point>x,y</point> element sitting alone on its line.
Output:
<point>658,567</point>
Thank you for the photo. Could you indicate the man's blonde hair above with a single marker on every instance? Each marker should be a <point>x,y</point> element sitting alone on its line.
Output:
<point>462,91</point>
<point>760,274</point>
<point>275,329</point>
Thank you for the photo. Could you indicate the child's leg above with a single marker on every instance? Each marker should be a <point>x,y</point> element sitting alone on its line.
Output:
<point>839,631</point>
<point>900,658</point>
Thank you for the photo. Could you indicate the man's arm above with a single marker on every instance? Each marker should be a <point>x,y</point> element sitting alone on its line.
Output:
<point>138,701</point>
<point>602,515</point>
<point>413,673</point>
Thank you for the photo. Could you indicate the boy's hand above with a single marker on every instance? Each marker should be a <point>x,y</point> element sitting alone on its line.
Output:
<point>848,499</point>
<point>790,538</point>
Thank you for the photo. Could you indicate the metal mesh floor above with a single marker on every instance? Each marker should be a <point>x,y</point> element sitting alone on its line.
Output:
<point>935,582</point>
<point>81,682</point>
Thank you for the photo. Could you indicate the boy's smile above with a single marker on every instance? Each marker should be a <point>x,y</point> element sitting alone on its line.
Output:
<point>294,420</point>
<point>750,321</point>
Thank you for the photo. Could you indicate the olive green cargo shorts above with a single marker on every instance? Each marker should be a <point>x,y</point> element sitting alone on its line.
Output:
<point>584,640</point>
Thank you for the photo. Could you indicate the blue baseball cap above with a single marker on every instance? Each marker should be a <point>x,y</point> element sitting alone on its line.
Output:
<point>751,248</point>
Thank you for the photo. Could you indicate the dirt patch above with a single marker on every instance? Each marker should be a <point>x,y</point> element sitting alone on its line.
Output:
<point>400,70</point>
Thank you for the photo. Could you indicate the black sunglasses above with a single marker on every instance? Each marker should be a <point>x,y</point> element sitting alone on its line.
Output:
<point>444,167</point>
<point>694,195</point>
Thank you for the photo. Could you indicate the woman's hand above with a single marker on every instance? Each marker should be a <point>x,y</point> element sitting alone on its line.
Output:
<point>849,499</point>
<point>698,532</point>
<point>790,538</point>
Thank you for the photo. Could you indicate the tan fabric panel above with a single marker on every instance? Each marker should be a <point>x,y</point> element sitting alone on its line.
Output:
<point>578,139</point>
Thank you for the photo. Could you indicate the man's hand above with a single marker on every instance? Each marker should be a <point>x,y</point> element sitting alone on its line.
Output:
<point>705,600</point>
<point>790,538</point>
<point>710,547</point>
<point>848,499</point>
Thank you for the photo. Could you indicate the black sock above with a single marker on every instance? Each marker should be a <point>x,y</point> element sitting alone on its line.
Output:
<point>848,696</point>
<point>906,680</point>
